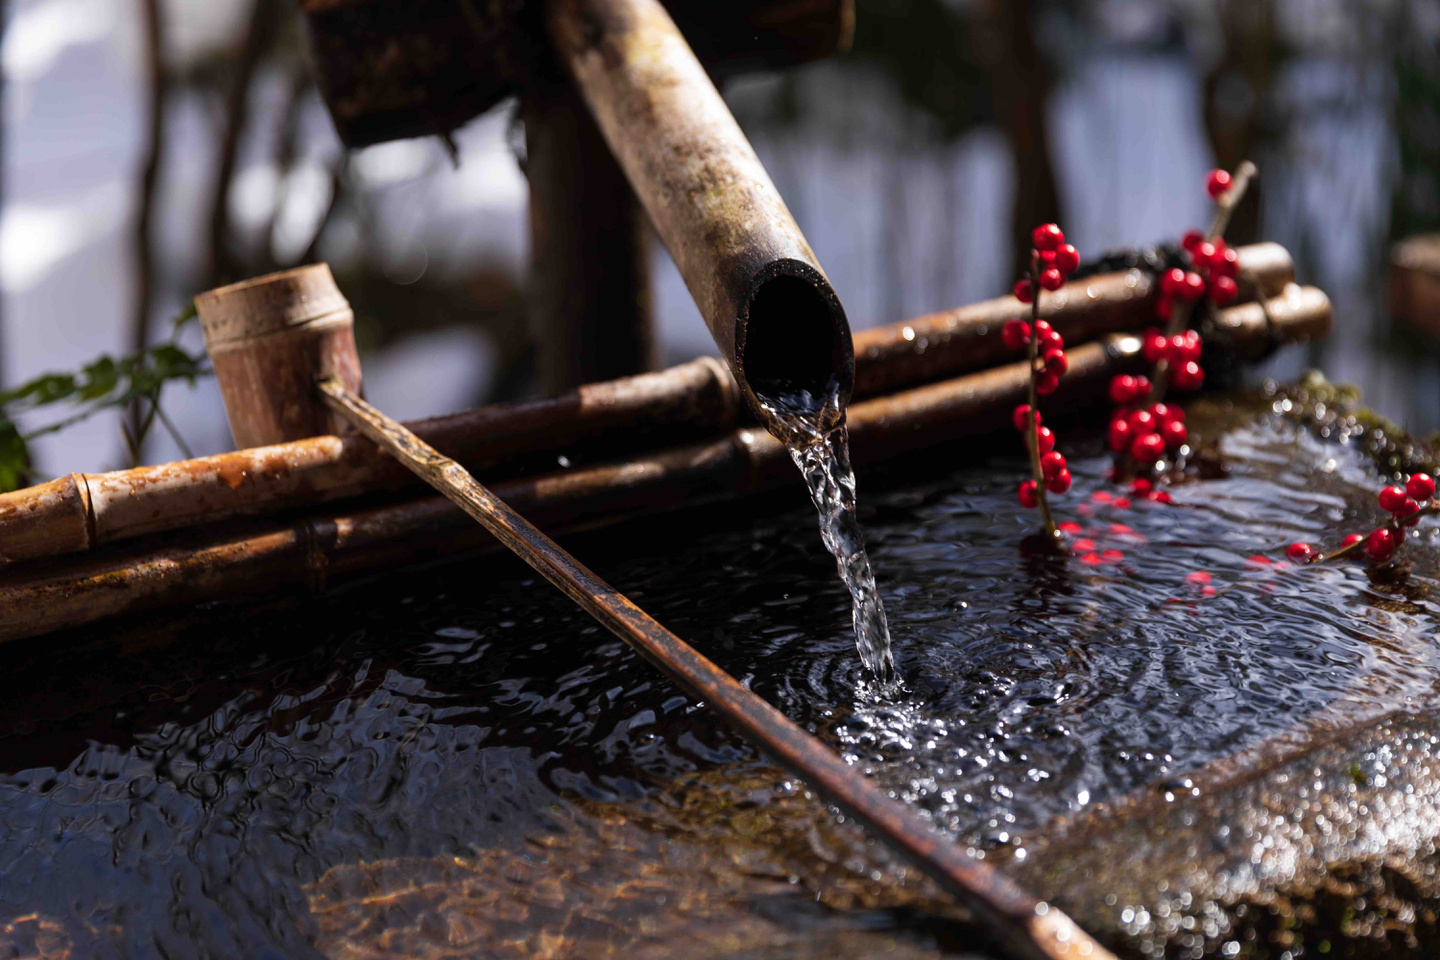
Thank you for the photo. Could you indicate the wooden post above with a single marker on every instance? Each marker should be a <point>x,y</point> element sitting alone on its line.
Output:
<point>266,338</point>
<point>589,289</point>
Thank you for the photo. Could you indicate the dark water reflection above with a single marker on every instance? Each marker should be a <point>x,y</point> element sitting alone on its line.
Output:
<point>458,763</point>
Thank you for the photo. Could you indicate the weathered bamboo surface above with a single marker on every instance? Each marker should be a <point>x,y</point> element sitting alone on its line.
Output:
<point>770,308</point>
<point>82,511</point>
<point>308,554</point>
<point>1016,918</point>
<point>967,338</point>
<point>266,338</point>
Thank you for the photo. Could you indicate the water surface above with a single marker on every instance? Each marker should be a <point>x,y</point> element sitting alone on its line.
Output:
<point>458,763</point>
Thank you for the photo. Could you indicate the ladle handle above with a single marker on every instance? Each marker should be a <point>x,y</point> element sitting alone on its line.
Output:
<point>1030,929</point>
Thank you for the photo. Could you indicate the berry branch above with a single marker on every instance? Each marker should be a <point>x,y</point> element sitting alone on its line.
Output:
<point>1051,260</point>
<point>1144,427</point>
<point>1406,505</point>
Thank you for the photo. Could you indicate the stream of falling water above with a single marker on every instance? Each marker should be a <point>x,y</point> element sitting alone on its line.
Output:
<point>813,429</point>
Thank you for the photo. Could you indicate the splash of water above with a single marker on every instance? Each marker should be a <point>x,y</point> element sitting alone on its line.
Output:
<point>813,429</point>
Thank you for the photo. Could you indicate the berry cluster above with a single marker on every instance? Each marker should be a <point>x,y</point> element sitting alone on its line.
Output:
<point>1051,260</point>
<point>1143,431</point>
<point>1406,505</point>
<point>1142,427</point>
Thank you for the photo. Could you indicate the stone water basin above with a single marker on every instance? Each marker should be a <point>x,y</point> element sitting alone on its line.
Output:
<point>456,763</point>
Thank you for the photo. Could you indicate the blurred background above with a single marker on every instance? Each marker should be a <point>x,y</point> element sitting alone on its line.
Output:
<point>156,148</point>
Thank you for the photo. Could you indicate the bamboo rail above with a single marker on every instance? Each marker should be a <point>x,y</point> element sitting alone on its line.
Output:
<point>1017,919</point>
<point>309,554</point>
<point>80,512</point>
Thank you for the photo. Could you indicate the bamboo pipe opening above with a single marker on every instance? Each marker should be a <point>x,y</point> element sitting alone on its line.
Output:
<point>794,336</point>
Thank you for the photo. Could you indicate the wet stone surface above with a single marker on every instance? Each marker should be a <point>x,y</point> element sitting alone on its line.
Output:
<point>457,763</point>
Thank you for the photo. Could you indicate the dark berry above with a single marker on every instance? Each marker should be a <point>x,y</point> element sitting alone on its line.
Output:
<point>1380,544</point>
<point>1015,334</point>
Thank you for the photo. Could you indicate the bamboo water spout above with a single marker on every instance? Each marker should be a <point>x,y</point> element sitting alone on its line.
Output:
<point>768,304</point>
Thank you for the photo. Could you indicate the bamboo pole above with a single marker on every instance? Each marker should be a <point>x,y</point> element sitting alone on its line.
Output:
<point>81,512</point>
<point>1017,919</point>
<point>205,565</point>
<point>770,308</point>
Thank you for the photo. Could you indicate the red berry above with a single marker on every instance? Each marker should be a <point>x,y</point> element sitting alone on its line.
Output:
<point>1022,416</point>
<point>1165,413</point>
<point>1067,258</point>
<point>1056,362</point>
<point>1217,183</point>
<point>1052,279</point>
<point>1155,344</point>
<point>1174,434</point>
<point>1029,498</point>
<point>1069,526</point>
<point>1226,263</point>
<point>1380,544</point>
<point>1142,422</point>
<point>1051,340</point>
<point>1183,346</point>
<point>1300,552</point>
<point>1045,439</point>
<point>1392,499</point>
<point>1194,287</point>
<point>1352,539</point>
<point>1164,307</point>
<point>1084,545</point>
<point>1420,486</point>
<point>1203,253</point>
<point>1188,376</point>
<point>1223,290</point>
<point>1052,463</point>
<point>1058,483</point>
<point>1015,333</point>
<point>1148,448</point>
<point>1141,486</point>
<point>1160,496</point>
<point>1142,387</point>
<point>1120,435</point>
<point>1046,257</point>
<point>1047,236</point>
<point>1122,389</point>
<point>1198,576</point>
<point>1173,281</point>
<point>1023,291</point>
<point>1192,239</point>
<point>1407,513</point>
<point>1046,383</point>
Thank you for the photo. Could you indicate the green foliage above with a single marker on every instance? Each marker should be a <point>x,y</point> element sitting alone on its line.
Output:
<point>104,383</point>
